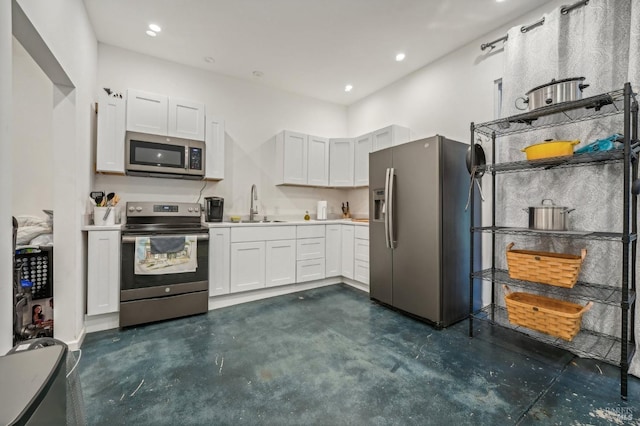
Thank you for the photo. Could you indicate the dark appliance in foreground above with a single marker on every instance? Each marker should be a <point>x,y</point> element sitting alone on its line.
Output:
<point>419,229</point>
<point>213,209</point>
<point>165,263</point>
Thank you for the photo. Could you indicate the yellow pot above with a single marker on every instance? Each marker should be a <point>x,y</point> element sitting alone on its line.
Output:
<point>550,149</point>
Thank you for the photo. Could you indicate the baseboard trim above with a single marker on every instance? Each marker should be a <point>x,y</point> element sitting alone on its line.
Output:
<point>74,345</point>
<point>227,300</point>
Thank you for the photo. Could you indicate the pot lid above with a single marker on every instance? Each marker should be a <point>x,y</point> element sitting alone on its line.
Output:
<point>554,81</point>
<point>548,203</point>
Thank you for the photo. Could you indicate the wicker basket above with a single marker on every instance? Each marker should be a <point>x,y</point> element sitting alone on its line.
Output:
<point>551,316</point>
<point>556,269</point>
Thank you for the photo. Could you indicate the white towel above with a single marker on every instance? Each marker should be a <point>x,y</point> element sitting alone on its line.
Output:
<point>147,263</point>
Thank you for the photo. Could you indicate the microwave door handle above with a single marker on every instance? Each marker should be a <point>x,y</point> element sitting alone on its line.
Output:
<point>186,158</point>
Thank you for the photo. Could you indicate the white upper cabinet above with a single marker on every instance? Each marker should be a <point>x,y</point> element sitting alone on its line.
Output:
<point>186,119</point>
<point>317,161</point>
<point>341,162</point>
<point>111,134</point>
<point>147,112</point>
<point>214,162</point>
<point>291,158</point>
<point>362,149</point>
<point>389,136</point>
<point>305,160</point>
<point>161,115</point>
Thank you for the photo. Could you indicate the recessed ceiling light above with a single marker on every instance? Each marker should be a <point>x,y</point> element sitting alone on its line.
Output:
<point>257,74</point>
<point>400,57</point>
<point>499,1</point>
<point>209,59</point>
<point>154,27</point>
<point>348,88</point>
<point>151,33</point>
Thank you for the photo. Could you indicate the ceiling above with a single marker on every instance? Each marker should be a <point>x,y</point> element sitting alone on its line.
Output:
<point>309,47</point>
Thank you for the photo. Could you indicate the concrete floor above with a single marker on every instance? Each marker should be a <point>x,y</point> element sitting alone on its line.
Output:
<point>330,356</point>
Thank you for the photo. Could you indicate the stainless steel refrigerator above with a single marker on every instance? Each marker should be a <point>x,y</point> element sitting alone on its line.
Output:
<point>419,229</point>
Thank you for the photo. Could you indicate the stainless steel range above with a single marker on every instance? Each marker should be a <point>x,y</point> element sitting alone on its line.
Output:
<point>165,262</point>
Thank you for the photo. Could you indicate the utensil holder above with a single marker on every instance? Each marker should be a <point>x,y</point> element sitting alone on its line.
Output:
<point>101,218</point>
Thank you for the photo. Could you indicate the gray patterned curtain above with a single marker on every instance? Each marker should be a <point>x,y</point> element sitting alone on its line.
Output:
<point>601,42</point>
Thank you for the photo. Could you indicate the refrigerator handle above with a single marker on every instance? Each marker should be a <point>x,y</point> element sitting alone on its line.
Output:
<point>386,209</point>
<point>390,203</point>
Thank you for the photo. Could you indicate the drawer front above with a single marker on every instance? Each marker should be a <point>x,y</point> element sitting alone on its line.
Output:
<point>310,270</point>
<point>362,232</point>
<point>310,231</point>
<point>242,234</point>
<point>361,271</point>
<point>362,250</point>
<point>310,248</point>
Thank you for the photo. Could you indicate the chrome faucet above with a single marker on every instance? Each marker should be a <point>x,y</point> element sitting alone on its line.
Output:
<point>254,197</point>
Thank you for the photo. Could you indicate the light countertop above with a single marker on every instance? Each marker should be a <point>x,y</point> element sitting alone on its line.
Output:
<point>119,227</point>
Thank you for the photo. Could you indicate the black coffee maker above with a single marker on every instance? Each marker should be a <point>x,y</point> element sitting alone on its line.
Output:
<point>213,208</point>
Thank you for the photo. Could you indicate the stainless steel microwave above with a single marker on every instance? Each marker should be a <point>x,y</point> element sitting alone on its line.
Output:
<point>163,156</point>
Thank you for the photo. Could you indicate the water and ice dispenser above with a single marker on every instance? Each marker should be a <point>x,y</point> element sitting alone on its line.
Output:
<point>379,206</point>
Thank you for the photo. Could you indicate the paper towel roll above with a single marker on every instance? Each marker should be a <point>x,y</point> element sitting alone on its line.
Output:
<point>322,210</point>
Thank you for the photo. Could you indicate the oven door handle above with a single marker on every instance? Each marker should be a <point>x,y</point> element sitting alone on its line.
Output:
<point>132,238</point>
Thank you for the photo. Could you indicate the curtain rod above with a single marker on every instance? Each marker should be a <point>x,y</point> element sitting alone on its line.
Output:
<point>563,10</point>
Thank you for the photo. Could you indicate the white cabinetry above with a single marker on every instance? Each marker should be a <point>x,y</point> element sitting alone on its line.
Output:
<point>389,136</point>
<point>103,272</point>
<point>347,251</point>
<point>280,263</point>
<point>317,161</point>
<point>147,112</point>
<point>161,115</point>
<point>333,251</point>
<point>302,159</point>
<point>111,134</point>
<point>341,162</point>
<point>310,253</point>
<point>361,254</point>
<point>214,161</point>
<point>248,266</point>
<point>219,261</point>
<point>186,119</point>
<point>262,257</point>
<point>291,158</point>
<point>362,148</point>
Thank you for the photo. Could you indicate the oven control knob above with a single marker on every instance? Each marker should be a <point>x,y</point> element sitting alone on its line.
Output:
<point>195,209</point>
<point>167,290</point>
<point>190,209</point>
<point>131,209</point>
<point>138,209</point>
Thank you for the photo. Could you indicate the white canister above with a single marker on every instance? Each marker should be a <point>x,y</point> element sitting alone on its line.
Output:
<point>322,210</point>
<point>103,216</point>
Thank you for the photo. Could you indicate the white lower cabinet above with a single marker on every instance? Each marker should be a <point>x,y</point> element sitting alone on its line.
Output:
<point>361,271</point>
<point>103,272</point>
<point>219,261</point>
<point>248,266</point>
<point>333,251</point>
<point>310,270</point>
<point>280,263</point>
<point>361,254</point>
<point>347,251</point>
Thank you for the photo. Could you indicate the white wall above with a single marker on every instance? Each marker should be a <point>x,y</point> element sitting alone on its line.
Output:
<point>32,136</point>
<point>442,98</point>
<point>253,113</point>
<point>70,51</point>
<point>6,230</point>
